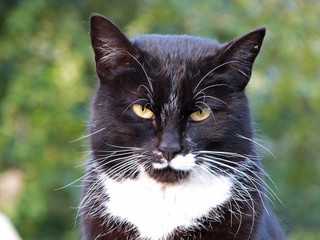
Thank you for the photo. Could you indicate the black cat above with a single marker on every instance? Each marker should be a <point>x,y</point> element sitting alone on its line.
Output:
<point>172,155</point>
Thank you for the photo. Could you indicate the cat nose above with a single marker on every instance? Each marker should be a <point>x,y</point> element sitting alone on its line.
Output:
<point>170,144</point>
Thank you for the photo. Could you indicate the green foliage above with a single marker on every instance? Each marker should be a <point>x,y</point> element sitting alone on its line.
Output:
<point>47,79</point>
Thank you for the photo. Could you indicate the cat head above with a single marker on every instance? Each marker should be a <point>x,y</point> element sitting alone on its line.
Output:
<point>169,104</point>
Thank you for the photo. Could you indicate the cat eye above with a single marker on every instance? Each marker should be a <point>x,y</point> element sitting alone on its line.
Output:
<point>142,111</point>
<point>200,115</point>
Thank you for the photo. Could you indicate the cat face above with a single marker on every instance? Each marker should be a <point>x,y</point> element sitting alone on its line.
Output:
<point>169,105</point>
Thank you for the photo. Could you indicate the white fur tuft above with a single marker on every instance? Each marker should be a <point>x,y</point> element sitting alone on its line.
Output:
<point>156,209</point>
<point>183,163</point>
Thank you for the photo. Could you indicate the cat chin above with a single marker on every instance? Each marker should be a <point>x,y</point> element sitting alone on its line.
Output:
<point>168,175</point>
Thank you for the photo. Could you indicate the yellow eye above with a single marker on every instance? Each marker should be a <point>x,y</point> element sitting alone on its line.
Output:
<point>142,111</point>
<point>200,115</point>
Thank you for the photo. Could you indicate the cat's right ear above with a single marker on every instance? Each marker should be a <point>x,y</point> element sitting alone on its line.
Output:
<point>111,47</point>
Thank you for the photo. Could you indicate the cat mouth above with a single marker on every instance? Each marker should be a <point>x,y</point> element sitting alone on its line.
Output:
<point>175,170</point>
<point>180,163</point>
<point>168,174</point>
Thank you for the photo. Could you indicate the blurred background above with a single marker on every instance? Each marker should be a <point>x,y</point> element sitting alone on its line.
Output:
<point>47,79</point>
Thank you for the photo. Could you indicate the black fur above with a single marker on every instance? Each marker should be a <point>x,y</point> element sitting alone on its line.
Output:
<point>146,70</point>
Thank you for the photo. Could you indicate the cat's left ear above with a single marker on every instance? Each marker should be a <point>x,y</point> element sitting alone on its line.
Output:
<point>237,57</point>
<point>111,47</point>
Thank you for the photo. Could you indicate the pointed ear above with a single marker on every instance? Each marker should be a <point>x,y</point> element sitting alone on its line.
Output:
<point>237,57</point>
<point>111,47</point>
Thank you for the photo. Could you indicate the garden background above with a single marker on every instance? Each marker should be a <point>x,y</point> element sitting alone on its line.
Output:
<point>47,79</point>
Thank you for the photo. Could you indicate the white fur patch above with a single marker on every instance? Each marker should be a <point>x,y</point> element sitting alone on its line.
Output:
<point>161,165</point>
<point>156,209</point>
<point>184,163</point>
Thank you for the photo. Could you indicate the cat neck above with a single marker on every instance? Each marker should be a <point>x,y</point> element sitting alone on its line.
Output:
<point>157,209</point>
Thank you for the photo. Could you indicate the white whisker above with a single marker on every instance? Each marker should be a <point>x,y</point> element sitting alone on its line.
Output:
<point>89,135</point>
<point>217,99</point>
<point>251,162</point>
<point>134,102</point>
<point>143,69</point>
<point>211,71</point>
<point>242,173</point>
<point>258,144</point>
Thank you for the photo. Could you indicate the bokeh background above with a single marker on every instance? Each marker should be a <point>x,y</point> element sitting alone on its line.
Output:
<point>47,79</point>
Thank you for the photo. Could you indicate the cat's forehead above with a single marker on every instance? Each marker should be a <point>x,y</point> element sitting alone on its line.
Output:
<point>175,47</point>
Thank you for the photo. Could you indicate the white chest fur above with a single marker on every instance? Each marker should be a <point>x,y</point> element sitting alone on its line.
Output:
<point>157,209</point>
